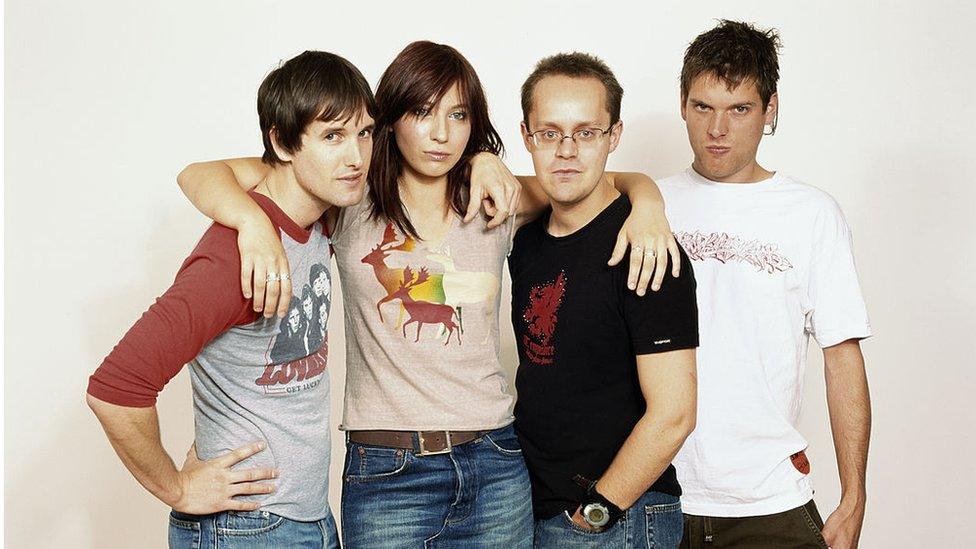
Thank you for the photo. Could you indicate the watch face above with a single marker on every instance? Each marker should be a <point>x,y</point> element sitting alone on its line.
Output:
<point>596,514</point>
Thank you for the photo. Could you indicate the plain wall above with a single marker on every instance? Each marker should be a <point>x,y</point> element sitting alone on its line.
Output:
<point>107,101</point>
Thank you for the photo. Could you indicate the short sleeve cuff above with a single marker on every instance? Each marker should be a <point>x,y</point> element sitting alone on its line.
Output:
<point>665,345</point>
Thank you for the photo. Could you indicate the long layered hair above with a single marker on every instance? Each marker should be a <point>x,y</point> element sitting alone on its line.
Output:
<point>422,73</point>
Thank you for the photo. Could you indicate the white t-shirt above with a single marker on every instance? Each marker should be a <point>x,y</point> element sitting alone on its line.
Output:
<point>774,264</point>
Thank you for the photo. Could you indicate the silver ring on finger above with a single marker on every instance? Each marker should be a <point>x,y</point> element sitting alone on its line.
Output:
<point>650,253</point>
<point>637,249</point>
<point>273,277</point>
<point>284,277</point>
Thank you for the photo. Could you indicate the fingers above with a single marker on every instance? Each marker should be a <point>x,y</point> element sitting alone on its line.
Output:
<point>272,290</point>
<point>260,281</point>
<point>636,260</point>
<point>241,454</point>
<point>675,257</point>
<point>501,214</point>
<point>661,255</point>
<point>247,270</point>
<point>647,269</point>
<point>474,202</point>
<point>251,488</point>
<point>284,299</point>
<point>619,248</point>
<point>251,475</point>
<point>516,198</point>
<point>236,505</point>
<point>489,207</point>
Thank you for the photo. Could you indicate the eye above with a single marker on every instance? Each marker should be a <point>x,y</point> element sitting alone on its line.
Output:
<point>421,112</point>
<point>741,109</point>
<point>702,108</point>
<point>366,134</point>
<point>332,137</point>
<point>459,115</point>
<point>585,134</point>
<point>550,134</point>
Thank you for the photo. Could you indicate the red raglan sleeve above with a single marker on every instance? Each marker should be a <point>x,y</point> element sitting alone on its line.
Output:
<point>204,301</point>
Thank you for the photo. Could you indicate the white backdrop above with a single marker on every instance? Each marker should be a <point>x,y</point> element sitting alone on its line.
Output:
<point>106,101</point>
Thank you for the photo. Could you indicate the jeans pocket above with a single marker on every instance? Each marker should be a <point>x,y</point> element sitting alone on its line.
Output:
<point>665,524</point>
<point>365,463</point>
<point>577,529</point>
<point>183,534</point>
<point>505,441</point>
<point>813,524</point>
<point>247,523</point>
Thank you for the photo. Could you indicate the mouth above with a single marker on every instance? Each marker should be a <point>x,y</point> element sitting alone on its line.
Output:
<point>566,172</point>
<point>718,151</point>
<point>352,179</point>
<point>437,156</point>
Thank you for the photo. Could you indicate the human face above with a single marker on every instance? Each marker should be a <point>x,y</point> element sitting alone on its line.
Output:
<point>332,162</point>
<point>323,315</point>
<point>569,172</point>
<point>307,306</point>
<point>320,287</point>
<point>432,138</point>
<point>725,127</point>
<point>294,319</point>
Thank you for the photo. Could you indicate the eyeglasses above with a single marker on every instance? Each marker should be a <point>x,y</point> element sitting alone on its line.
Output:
<point>582,137</point>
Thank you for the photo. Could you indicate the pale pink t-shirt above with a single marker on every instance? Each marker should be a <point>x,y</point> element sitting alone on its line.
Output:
<point>421,320</point>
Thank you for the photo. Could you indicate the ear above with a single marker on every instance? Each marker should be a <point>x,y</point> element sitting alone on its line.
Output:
<point>284,155</point>
<point>684,101</point>
<point>615,133</point>
<point>526,138</point>
<point>771,109</point>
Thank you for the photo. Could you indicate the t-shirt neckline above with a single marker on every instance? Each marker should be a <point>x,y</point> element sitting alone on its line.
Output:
<point>698,178</point>
<point>280,218</point>
<point>601,218</point>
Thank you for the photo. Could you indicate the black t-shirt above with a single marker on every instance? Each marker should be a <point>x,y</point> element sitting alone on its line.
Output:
<point>578,329</point>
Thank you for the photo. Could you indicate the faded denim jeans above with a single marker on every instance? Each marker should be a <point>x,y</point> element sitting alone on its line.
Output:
<point>653,521</point>
<point>249,530</point>
<point>476,496</point>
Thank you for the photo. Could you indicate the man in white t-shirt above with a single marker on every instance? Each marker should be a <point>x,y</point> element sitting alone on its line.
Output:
<point>774,263</point>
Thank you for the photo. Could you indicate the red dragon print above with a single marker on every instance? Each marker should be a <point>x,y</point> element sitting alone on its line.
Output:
<point>541,316</point>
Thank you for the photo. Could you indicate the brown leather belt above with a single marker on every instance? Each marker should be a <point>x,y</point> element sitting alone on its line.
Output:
<point>422,443</point>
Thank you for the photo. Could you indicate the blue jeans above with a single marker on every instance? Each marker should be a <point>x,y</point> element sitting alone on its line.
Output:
<point>653,521</point>
<point>476,496</point>
<point>250,530</point>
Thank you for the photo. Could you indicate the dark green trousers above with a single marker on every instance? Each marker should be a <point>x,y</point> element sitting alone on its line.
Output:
<point>794,529</point>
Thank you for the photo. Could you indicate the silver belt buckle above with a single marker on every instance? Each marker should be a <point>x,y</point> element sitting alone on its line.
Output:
<point>425,452</point>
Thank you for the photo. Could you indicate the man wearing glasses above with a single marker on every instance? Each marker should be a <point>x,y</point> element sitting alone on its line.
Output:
<point>606,379</point>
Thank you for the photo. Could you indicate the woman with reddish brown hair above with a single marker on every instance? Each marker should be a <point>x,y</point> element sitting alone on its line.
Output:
<point>432,458</point>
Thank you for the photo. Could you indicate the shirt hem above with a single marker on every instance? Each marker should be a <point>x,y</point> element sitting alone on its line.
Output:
<point>769,506</point>
<point>426,427</point>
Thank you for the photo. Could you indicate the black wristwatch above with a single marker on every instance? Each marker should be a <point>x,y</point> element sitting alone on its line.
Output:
<point>598,511</point>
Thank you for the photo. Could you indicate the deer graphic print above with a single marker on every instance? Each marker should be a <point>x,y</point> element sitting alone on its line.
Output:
<point>435,294</point>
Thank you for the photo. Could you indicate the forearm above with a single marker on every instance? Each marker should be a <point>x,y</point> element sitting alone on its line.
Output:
<point>849,405</point>
<point>640,189</point>
<point>213,188</point>
<point>645,454</point>
<point>134,433</point>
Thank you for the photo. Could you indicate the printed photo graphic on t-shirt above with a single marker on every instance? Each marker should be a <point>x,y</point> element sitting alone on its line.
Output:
<point>298,352</point>
<point>726,248</point>
<point>428,289</point>
<point>541,316</point>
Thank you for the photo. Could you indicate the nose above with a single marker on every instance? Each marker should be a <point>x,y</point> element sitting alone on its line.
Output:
<point>438,129</point>
<point>567,148</point>
<point>355,158</point>
<point>718,126</point>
